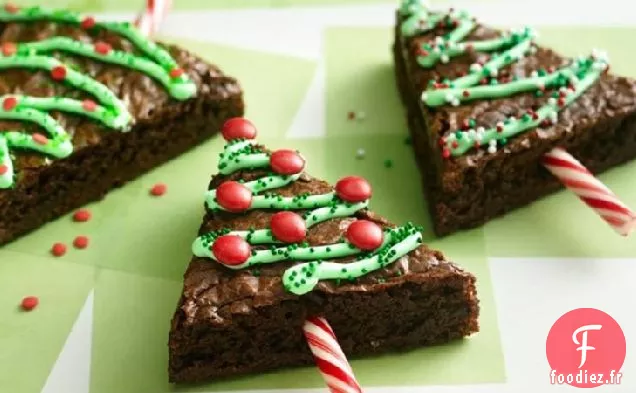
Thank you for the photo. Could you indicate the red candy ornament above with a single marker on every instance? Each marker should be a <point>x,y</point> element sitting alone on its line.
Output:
<point>88,23</point>
<point>234,197</point>
<point>103,48</point>
<point>9,103</point>
<point>9,49</point>
<point>3,169</point>
<point>286,162</point>
<point>365,235</point>
<point>58,73</point>
<point>231,250</point>
<point>353,189</point>
<point>238,128</point>
<point>288,227</point>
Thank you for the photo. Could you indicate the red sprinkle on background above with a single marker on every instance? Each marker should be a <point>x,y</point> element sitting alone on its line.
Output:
<point>3,169</point>
<point>9,48</point>
<point>89,105</point>
<point>40,139</point>
<point>88,23</point>
<point>29,303</point>
<point>158,189</point>
<point>103,48</point>
<point>9,103</point>
<point>11,8</point>
<point>82,215</point>
<point>58,73</point>
<point>176,72</point>
<point>80,242</point>
<point>58,249</point>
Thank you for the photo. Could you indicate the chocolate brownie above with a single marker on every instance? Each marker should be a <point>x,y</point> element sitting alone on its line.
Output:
<point>278,246</point>
<point>485,105</point>
<point>87,106</point>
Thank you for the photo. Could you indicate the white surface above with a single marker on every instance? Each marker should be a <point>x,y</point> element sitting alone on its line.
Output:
<point>530,294</point>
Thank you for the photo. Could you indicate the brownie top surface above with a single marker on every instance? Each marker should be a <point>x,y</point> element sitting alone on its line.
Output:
<point>145,98</point>
<point>214,292</point>
<point>608,97</point>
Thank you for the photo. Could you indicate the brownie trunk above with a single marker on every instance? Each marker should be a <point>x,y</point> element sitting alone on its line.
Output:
<point>90,173</point>
<point>407,316</point>
<point>467,198</point>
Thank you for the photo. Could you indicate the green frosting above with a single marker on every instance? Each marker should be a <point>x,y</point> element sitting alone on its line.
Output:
<point>110,110</point>
<point>242,154</point>
<point>304,277</point>
<point>570,81</point>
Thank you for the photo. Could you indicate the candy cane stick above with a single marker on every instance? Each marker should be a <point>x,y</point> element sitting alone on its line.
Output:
<point>330,359</point>
<point>590,190</point>
<point>150,18</point>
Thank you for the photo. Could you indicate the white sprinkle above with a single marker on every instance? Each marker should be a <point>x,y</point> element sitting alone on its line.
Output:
<point>439,40</point>
<point>360,153</point>
<point>455,102</point>
<point>472,133</point>
<point>449,97</point>
<point>534,74</point>
<point>481,130</point>
<point>493,72</point>
<point>444,59</point>
<point>552,101</point>
<point>475,67</point>
<point>479,137</point>
<point>563,89</point>
<point>461,46</point>
<point>492,149</point>
<point>553,117</point>
<point>437,50</point>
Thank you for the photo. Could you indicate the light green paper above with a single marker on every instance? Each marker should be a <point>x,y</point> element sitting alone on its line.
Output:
<point>274,85</point>
<point>30,342</point>
<point>361,80</point>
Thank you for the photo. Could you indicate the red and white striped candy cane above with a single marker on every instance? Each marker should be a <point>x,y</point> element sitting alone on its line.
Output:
<point>150,18</point>
<point>590,190</point>
<point>330,359</point>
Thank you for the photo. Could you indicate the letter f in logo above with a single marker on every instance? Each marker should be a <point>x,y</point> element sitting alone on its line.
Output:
<point>584,347</point>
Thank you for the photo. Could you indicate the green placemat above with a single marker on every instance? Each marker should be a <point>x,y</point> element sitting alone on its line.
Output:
<point>30,342</point>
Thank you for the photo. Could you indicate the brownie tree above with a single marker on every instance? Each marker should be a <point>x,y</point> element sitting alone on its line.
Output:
<point>483,80</point>
<point>372,246</point>
<point>108,110</point>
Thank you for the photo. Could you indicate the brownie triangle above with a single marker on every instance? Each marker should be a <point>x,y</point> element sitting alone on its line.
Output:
<point>278,245</point>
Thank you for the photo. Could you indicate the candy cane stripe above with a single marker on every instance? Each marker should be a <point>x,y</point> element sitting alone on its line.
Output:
<point>590,190</point>
<point>329,358</point>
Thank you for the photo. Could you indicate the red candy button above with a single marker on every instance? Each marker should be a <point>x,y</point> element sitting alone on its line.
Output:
<point>103,48</point>
<point>231,250</point>
<point>3,169</point>
<point>176,72</point>
<point>58,73</point>
<point>80,242</point>
<point>288,227</point>
<point>238,127</point>
<point>88,23</point>
<point>9,103</point>
<point>9,49</point>
<point>286,162</point>
<point>29,303</point>
<point>82,215</point>
<point>234,197</point>
<point>353,189</point>
<point>158,189</point>
<point>89,105</point>
<point>40,139</point>
<point>58,249</point>
<point>365,235</point>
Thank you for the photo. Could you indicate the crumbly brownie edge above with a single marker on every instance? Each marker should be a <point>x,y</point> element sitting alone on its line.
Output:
<point>607,144</point>
<point>415,314</point>
<point>90,173</point>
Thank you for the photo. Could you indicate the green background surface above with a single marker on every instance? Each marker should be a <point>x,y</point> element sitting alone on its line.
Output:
<point>140,245</point>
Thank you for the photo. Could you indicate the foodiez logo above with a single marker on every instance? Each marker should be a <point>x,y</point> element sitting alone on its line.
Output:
<point>586,348</point>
